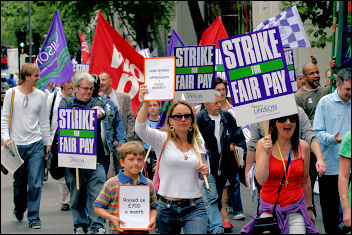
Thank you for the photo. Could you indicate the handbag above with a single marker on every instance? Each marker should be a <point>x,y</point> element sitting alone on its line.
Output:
<point>156,179</point>
<point>269,225</point>
<point>55,171</point>
<point>3,169</point>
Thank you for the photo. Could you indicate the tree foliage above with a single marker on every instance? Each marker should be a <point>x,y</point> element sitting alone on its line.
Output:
<point>141,19</point>
<point>320,13</point>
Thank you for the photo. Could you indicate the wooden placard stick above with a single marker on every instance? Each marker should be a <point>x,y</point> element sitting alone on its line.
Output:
<point>77,175</point>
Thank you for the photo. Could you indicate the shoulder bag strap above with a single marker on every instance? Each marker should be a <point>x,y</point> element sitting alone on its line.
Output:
<point>11,109</point>
<point>52,108</point>
<point>162,150</point>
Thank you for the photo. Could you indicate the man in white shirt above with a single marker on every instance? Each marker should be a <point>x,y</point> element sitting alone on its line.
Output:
<point>30,130</point>
<point>122,100</point>
<point>53,105</point>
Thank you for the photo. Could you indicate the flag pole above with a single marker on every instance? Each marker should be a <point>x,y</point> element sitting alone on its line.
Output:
<point>334,18</point>
<point>146,156</point>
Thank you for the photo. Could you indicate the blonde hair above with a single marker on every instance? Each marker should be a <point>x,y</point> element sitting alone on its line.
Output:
<point>132,147</point>
<point>192,136</point>
<point>28,69</point>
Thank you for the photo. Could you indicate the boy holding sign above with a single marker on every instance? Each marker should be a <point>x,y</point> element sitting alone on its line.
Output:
<point>107,203</point>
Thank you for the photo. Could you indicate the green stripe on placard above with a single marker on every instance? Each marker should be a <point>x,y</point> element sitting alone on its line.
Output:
<point>80,133</point>
<point>290,67</point>
<point>220,68</point>
<point>264,67</point>
<point>193,70</point>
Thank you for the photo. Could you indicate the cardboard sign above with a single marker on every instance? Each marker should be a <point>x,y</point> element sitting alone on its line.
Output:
<point>258,76</point>
<point>291,69</point>
<point>195,67</point>
<point>160,78</point>
<point>219,65</point>
<point>134,207</point>
<point>77,138</point>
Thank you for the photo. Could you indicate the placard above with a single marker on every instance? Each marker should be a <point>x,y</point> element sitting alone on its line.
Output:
<point>291,68</point>
<point>77,138</point>
<point>219,65</point>
<point>195,69</point>
<point>160,78</point>
<point>134,207</point>
<point>258,76</point>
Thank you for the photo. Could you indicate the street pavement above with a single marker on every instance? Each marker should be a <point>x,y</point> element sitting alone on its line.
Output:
<point>55,221</point>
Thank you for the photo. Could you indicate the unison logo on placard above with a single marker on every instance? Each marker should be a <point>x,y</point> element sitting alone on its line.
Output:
<point>258,109</point>
<point>193,96</point>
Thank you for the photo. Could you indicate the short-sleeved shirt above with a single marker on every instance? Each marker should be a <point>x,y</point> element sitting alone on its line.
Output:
<point>108,196</point>
<point>345,150</point>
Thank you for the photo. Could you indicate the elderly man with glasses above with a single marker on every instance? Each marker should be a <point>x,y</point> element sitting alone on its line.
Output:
<point>90,181</point>
<point>29,119</point>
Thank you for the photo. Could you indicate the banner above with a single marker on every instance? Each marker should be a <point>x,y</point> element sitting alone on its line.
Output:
<point>113,55</point>
<point>77,138</point>
<point>258,76</point>
<point>291,69</point>
<point>291,28</point>
<point>84,49</point>
<point>175,41</point>
<point>195,67</point>
<point>213,33</point>
<point>53,59</point>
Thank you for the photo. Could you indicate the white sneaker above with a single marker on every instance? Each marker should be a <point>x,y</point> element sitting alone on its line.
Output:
<point>100,231</point>
<point>239,217</point>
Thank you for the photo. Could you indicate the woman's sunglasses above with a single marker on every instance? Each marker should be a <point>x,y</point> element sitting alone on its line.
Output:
<point>283,119</point>
<point>178,117</point>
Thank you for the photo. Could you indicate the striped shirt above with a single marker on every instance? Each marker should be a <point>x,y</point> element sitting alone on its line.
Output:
<point>109,194</point>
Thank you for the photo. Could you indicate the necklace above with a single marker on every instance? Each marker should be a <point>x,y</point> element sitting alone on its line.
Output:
<point>185,155</point>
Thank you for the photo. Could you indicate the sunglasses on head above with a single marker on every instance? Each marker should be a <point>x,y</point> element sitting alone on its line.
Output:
<point>178,117</point>
<point>283,119</point>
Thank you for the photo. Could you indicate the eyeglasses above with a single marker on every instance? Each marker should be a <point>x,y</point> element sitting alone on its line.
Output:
<point>25,102</point>
<point>87,88</point>
<point>178,117</point>
<point>312,73</point>
<point>283,119</point>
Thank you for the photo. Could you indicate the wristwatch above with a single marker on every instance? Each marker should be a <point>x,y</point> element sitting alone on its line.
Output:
<point>310,208</point>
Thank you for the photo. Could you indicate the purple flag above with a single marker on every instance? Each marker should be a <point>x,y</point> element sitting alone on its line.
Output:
<point>175,41</point>
<point>53,59</point>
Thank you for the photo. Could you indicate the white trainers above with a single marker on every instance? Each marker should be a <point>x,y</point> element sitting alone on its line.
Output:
<point>100,231</point>
<point>239,217</point>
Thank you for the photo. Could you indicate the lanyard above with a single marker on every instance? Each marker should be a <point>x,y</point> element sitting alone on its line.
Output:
<point>286,170</point>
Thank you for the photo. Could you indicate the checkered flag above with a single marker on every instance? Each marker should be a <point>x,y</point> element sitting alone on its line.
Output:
<point>290,26</point>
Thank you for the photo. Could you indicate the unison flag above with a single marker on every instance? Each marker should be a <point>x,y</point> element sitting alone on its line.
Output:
<point>216,31</point>
<point>343,54</point>
<point>53,59</point>
<point>113,55</point>
<point>175,41</point>
<point>84,49</point>
<point>290,26</point>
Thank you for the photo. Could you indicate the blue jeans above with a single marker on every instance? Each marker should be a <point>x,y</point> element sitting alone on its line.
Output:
<point>90,184</point>
<point>235,197</point>
<point>192,218</point>
<point>30,173</point>
<point>211,205</point>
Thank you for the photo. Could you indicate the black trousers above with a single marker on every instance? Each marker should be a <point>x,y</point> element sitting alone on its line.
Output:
<point>330,202</point>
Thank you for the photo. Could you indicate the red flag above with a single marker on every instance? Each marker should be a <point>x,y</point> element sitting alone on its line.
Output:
<point>84,49</point>
<point>113,55</point>
<point>213,33</point>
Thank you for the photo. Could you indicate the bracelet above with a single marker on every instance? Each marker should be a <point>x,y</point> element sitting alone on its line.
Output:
<point>343,196</point>
<point>310,208</point>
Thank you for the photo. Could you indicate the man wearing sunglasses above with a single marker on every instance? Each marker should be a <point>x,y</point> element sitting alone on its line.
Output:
<point>90,181</point>
<point>30,129</point>
<point>220,132</point>
<point>307,98</point>
<point>332,121</point>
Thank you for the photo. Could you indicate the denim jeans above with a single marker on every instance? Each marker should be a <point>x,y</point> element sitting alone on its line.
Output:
<point>30,173</point>
<point>90,184</point>
<point>235,197</point>
<point>211,205</point>
<point>192,218</point>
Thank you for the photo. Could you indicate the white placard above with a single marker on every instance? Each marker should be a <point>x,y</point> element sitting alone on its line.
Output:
<point>160,78</point>
<point>134,207</point>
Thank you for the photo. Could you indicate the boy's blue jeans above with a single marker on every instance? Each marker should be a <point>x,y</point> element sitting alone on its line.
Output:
<point>192,218</point>
<point>30,173</point>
